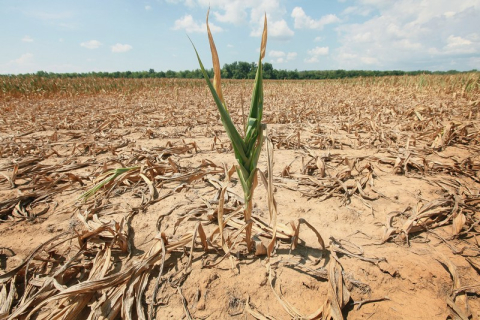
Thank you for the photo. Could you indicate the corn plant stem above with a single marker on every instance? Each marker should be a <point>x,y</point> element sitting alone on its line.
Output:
<point>243,115</point>
<point>247,217</point>
<point>247,148</point>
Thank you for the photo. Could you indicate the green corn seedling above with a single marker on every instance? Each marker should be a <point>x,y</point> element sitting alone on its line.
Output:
<point>108,176</point>
<point>247,148</point>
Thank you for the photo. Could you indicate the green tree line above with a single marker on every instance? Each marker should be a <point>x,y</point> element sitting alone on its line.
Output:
<point>243,70</point>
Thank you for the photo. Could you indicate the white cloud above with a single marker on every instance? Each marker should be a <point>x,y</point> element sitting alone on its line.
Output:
<point>190,26</point>
<point>470,44</point>
<point>315,53</point>
<point>148,8</point>
<point>277,30</point>
<point>312,59</point>
<point>275,11</point>
<point>291,55</point>
<point>457,42</point>
<point>234,12</point>
<point>27,39</point>
<point>276,54</point>
<point>23,64</point>
<point>348,56</point>
<point>237,11</point>
<point>281,56</point>
<point>280,30</point>
<point>230,45</point>
<point>349,10</point>
<point>302,21</point>
<point>188,3</point>
<point>240,12</point>
<point>407,44</point>
<point>24,60</point>
<point>65,19</point>
<point>64,68</point>
<point>406,36</point>
<point>121,47</point>
<point>369,60</point>
<point>92,44</point>
<point>42,15</point>
<point>355,10</point>
<point>318,51</point>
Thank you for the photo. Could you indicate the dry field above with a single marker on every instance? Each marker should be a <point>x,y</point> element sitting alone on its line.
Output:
<point>376,181</point>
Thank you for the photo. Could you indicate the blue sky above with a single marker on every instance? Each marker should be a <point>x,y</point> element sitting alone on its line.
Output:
<point>120,35</point>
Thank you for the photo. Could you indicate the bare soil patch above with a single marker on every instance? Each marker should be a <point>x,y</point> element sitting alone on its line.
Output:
<point>387,171</point>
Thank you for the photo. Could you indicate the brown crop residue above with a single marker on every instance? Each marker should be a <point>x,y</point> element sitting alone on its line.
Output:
<point>373,200</point>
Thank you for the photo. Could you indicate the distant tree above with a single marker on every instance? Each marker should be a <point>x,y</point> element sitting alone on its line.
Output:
<point>253,71</point>
<point>293,74</point>
<point>170,74</point>
<point>42,74</point>
<point>242,70</point>
<point>268,71</point>
<point>281,74</point>
<point>197,74</point>
<point>227,71</point>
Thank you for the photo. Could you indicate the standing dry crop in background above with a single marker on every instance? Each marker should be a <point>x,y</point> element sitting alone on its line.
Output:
<point>247,148</point>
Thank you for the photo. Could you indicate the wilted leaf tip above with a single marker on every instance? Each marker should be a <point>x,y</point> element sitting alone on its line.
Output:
<point>263,45</point>
<point>217,80</point>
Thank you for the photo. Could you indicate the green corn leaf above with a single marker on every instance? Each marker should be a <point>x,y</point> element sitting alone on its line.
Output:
<point>253,159</point>
<point>247,149</point>
<point>110,175</point>
<point>256,106</point>
<point>251,130</point>
<point>235,138</point>
<point>243,176</point>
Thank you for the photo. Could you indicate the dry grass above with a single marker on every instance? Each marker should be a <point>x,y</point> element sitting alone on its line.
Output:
<point>400,155</point>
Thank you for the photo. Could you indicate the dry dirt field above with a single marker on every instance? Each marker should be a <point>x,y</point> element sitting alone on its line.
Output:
<point>376,182</point>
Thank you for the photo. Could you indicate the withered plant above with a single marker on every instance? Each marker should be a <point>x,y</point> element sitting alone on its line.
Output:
<point>247,148</point>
